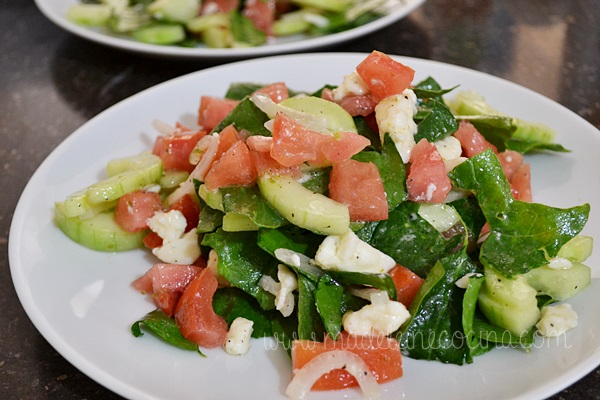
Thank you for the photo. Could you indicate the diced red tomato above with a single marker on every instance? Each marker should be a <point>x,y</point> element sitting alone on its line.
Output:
<point>213,110</point>
<point>166,283</point>
<point>152,240</point>
<point>510,160</point>
<point>194,313</point>
<point>342,146</point>
<point>133,210</point>
<point>174,151</point>
<point>359,186</point>
<point>277,91</point>
<point>260,147</point>
<point>227,138</point>
<point>384,76</point>
<point>380,353</point>
<point>521,182</point>
<point>471,141</point>
<point>218,6</point>
<point>407,284</point>
<point>190,210</point>
<point>261,13</point>
<point>427,179</point>
<point>358,105</point>
<point>235,167</point>
<point>293,144</point>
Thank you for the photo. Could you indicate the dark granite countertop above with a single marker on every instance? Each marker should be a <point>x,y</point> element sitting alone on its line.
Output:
<point>51,82</point>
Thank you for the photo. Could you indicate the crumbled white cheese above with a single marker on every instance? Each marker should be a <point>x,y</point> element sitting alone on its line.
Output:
<point>348,253</point>
<point>168,225</point>
<point>178,247</point>
<point>560,263</point>
<point>451,164</point>
<point>556,320</point>
<point>394,116</point>
<point>463,282</point>
<point>382,317</point>
<point>184,250</point>
<point>284,299</point>
<point>352,85</point>
<point>238,339</point>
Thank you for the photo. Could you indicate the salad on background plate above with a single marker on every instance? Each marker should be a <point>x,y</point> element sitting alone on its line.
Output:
<point>385,213</point>
<point>223,28</point>
<point>356,224</point>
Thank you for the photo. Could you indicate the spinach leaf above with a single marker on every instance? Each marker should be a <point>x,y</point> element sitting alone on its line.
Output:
<point>364,129</point>
<point>526,146</point>
<point>244,30</point>
<point>310,326</point>
<point>429,88</point>
<point>472,216</point>
<point>411,240</point>
<point>379,281</point>
<point>248,201</point>
<point>435,330</point>
<point>474,344</point>
<point>290,237</point>
<point>328,300</point>
<point>435,122</point>
<point>391,169</point>
<point>239,90</point>
<point>165,328</point>
<point>243,263</point>
<point>246,115</point>
<point>231,303</point>
<point>523,235</point>
<point>317,180</point>
<point>209,219</point>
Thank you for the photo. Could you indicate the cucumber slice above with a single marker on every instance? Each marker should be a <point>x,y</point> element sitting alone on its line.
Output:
<point>160,34</point>
<point>510,304</point>
<point>212,198</point>
<point>327,5</point>
<point>99,232</point>
<point>303,207</point>
<point>441,216</point>
<point>233,222</point>
<point>174,10</point>
<point>204,22</point>
<point>560,284</point>
<point>337,118</point>
<point>577,249</point>
<point>126,164</point>
<point>89,14</point>
<point>172,179</point>
<point>292,23</point>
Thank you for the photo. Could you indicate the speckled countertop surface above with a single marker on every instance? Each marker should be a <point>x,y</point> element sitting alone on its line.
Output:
<point>51,82</point>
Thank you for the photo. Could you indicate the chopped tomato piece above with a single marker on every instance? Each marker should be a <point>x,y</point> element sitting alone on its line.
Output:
<point>358,105</point>
<point>359,186</point>
<point>384,76</point>
<point>261,13</point>
<point>260,147</point>
<point>218,6</point>
<point>235,167</point>
<point>511,161</point>
<point>427,179</point>
<point>293,144</point>
<point>166,283</point>
<point>133,210</point>
<point>342,146</point>
<point>407,284</point>
<point>194,313</point>
<point>174,151</point>
<point>277,91</point>
<point>152,240</point>
<point>471,140</point>
<point>521,182</point>
<point>227,138</point>
<point>213,110</point>
<point>380,353</point>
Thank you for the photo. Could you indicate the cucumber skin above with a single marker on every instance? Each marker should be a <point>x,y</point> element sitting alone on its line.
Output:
<point>510,304</point>
<point>560,284</point>
<point>303,207</point>
<point>100,232</point>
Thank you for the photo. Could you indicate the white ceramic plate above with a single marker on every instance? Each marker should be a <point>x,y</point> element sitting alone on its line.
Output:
<point>55,10</point>
<point>81,301</point>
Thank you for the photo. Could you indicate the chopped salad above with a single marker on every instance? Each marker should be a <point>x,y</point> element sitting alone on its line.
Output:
<point>375,219</point>
<point>225,23</point>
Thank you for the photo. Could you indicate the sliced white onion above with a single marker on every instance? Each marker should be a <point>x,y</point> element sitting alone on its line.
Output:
<point>298,260</point>
<point>210,144</point>
<point>260,143</point>
<point>305,377</point>
<point>309,121</point>
<point>163,128</point>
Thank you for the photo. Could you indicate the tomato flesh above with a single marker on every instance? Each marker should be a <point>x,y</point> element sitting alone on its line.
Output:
<point>407,284</point>
<point>471,141</point>
<point>383,75</point>
<point>213,110</point>
<point>174,151</point>
<point>427,179</point>
<point>235,167</point>
<point>133,210</point>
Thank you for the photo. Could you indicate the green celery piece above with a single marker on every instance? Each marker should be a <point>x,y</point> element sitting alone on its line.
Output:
<point>248,201</point>
<point>231,303</point>
<point>391,169</point>
<point>246,116</point>
<point>243,263</point>
<point>165,328</point>
<point>523,235</point>
<point>435,330</point>
<point>244,31</point>
<point>328,299</point>
<point>437,122</point>
<point>310,326</point>
<point>469,305</point>
<point>411,240</point>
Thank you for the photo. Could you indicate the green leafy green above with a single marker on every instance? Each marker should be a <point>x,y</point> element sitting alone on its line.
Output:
<point>523,235</point>
<point>328,299</point>
<point>246,200</point>
<point>165,328</point>
<point>244,30</point>
<point>231,303</point>
<point>435,122</point>
<point>246,115</point>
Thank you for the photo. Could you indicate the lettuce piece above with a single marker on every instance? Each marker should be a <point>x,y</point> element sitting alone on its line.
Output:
<point>523,235</point>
